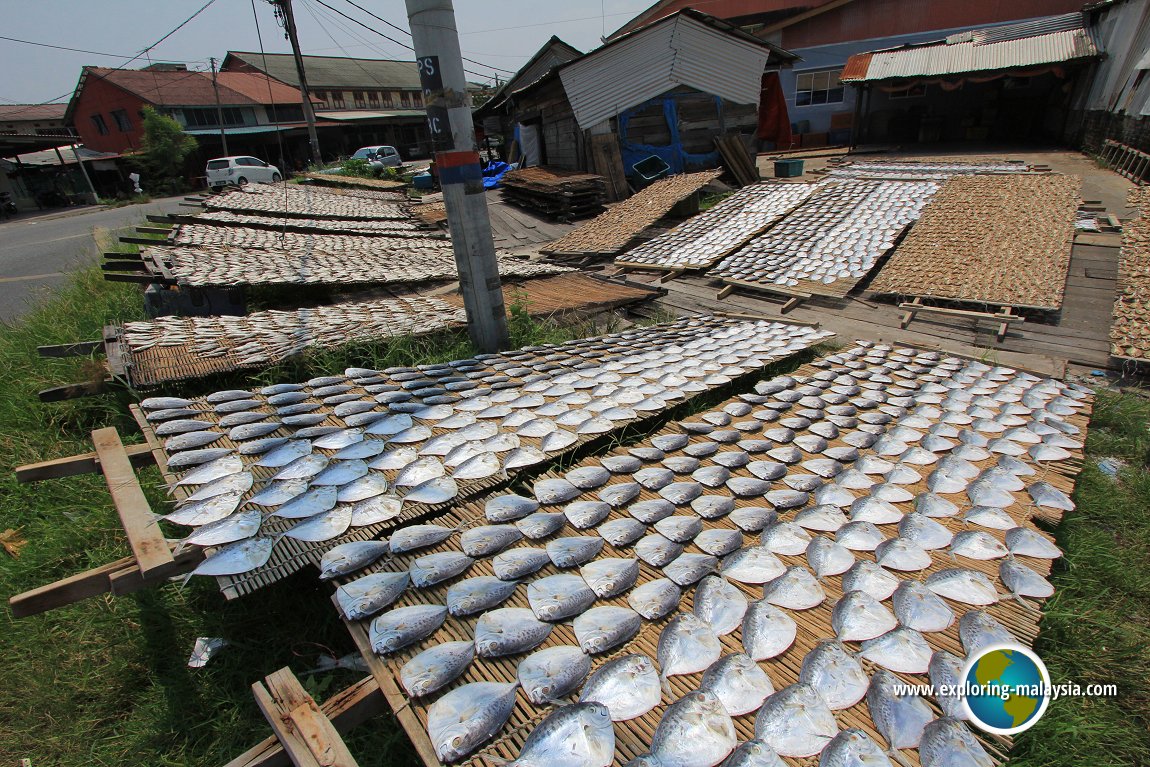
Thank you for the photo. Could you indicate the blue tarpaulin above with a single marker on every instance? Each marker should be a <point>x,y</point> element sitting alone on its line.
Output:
<point>679,159</point>
<point>494,172</point>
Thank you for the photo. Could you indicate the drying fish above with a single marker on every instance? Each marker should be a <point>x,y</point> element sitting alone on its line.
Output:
<point>965,586</point>
<point>753,565</point>
<point>946,674</point>
<point>403,626</point>
<point>436,667</point>
<point>433,491</point>
<point>754,753</point>
<point>507,508</point>
<point>435,568</point>
<point>205,512</point>
<point>419,471</point>
<point>694,731</point>
<point>795,721</point>
<point>679,529</point>
<point>835,673</point>
<point>1021,580</point>
<point>1046,495</point>
<point>752,519</point>
<point>467,717</point>
<point>853,748</point>
<point>578,735</point>
<point>617,532</point>
<point>541,524</point>
<point>372,511</point>
<point>655,599</point>
<point>553,491</point>
<point>947,742</point>
<point>720,604</point>
<point>917,607</point>
<point>209,472</point>
<point>869,577</point>
<point>507,631</point>
<point>349,557</point>
<point>686,645</point>
<point>900,717</point>
<point>322,527</point>
<point>609,577</point>
<point>738,682</point>
<point>181,426</point>
<point>364,597</point>
<point>361,489</point>
<point>656,550</point>
<point>478,594</point>
<point>719,542</point>
<point>556,597</point>
<point>622,464</point>
<point>574,551</point>
<point>514,564</point>
<point>975,544</point>
<point>902,554</point>
<point>487,540</point>
<point>627,686</point>
<point>902,650</point>
<point>553,673</point>
<point>191,440</point>
<point>584,514</point>
<point>307,467</point>
<point>713,506</point>
<point>795,589</point>
<point>785,538</point>
<point>858,616</point>
<point>1023,541</point>
<point>234,527</point>
<point>687,569</point>
<point>602,629</point>
<point>588,477</point>
<point>415,537</point>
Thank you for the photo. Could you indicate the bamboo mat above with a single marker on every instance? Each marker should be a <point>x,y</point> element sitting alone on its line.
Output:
<point>1130,326</point>
<point>707,238</point>
<point>997,240</point>
<point>633,737</point>
<point>309,202</point>
<point>170,359</point>
<point>290,555</point>
<point>610,231</point>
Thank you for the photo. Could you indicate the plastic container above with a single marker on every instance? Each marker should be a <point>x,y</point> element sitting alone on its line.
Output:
<point>422,181</point>
<point>651,169</point>
<point>788,168</point>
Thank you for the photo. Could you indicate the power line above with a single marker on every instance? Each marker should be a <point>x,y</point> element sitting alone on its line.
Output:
<point>404,31</point>
<point>178,27</point>
<point>66,48</point>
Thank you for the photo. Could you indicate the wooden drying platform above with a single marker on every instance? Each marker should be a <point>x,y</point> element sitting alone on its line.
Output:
<point>152,561</point>
<point>332,179</point>
<point>609,233</point>
<point>1130,325</point>
<point>577,292</point>
<point>792,295</point>
<point>633,737</point>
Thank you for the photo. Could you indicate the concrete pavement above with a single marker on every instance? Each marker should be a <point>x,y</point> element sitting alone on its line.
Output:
<point>37,253</point>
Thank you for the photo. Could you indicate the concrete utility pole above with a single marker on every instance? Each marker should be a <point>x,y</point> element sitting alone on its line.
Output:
<point>219,110</point>
<point>308,112</point>
<point>453,137</point>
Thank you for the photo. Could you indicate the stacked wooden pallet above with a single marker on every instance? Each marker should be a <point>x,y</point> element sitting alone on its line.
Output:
<point>560,193</point>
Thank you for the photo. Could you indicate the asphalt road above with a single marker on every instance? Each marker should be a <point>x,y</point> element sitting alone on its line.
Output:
<point>36,254</point>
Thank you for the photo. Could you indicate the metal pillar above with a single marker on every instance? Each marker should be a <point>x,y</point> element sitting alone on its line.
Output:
<point>219,110</point>
<point>452,131</point>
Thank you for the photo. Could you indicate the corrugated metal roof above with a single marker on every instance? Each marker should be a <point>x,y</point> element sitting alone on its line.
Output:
<point>678,50</point>
<point>1053,40</point>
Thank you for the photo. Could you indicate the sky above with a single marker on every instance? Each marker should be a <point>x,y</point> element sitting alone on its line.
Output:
<point>498,33</point>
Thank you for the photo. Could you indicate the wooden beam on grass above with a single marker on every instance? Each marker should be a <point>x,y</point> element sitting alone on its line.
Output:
<point>86,463</point>
<point>73,391</point>
<point>77,349</point>
<point>346,709</point>
<point>144,536</point>
<point>306,734</point>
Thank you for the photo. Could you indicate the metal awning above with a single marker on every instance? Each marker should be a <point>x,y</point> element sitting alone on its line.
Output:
<point>352,115</point>
<point>1048,41</point>
<point>245,130</point>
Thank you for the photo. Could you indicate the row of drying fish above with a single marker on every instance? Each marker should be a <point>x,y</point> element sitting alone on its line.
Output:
<point>305,201</point>
<point>1000,240</point>
<point>264,338</point>
<point>1130,328</point>
<point>406,263</point>
<point>839,233</point>
<point>229,218</point>
<point>335,243</point>
<point>701,241</point>
<point>923,171</point>
<point>349,451</point>
<point>918,400</point>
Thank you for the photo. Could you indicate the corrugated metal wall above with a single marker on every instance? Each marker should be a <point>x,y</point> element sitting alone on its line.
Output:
<point>682,52</point>
<point>1123,32</point>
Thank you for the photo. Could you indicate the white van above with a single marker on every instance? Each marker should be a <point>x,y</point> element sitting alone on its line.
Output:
<point>240,170</point>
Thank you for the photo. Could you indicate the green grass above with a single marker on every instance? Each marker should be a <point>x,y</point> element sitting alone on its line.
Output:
<point>1097,626</point>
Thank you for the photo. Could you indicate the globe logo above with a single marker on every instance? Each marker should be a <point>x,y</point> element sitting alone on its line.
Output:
<point>1007,688</point>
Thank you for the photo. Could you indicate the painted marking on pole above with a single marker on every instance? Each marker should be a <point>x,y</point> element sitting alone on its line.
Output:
<point>458,167</point>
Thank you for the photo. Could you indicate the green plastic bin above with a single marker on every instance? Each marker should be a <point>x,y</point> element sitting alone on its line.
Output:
<point>788,168</point>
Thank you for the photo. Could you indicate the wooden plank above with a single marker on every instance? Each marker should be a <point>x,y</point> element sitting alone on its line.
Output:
<point>607,162</point>
<point>346,709</point>
<point>997,316</point>
<point>78,349</point>
<point>144,536</point>
<point>143,279</point>
<point>86,463</point>
<point>306,734</point>
<point>122,266</point>
<point>153,230</point>
<point>64,592</point>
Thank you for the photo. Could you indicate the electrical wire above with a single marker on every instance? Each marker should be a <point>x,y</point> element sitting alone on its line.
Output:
<point>74,50</point>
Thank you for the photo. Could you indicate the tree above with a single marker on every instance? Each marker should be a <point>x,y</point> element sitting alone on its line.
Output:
<point>165,146</point>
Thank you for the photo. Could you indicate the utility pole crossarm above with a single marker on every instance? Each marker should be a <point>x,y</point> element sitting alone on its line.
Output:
<point>452,129</point>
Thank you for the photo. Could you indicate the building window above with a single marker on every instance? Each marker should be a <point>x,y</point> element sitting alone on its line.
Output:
<point>122,121</point>
<point>101,126</point>
<point>823,87</point>
<point>357,97</point>
<point>206,117</point>
<point>320,96</point>
<point>405,98</point>
<point>337,99</point>
<point>913,92</point>
<point>373,99</point>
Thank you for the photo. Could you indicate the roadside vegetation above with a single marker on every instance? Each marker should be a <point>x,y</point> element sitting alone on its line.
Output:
<point>104,682</point>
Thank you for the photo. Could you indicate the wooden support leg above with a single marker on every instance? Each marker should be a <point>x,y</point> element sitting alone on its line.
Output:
<point>306,734</point>
<point>909,314</point>
<point>672,275</point>
<point>726,291</point>
<point>791,303</point>
<point>346,709</point>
